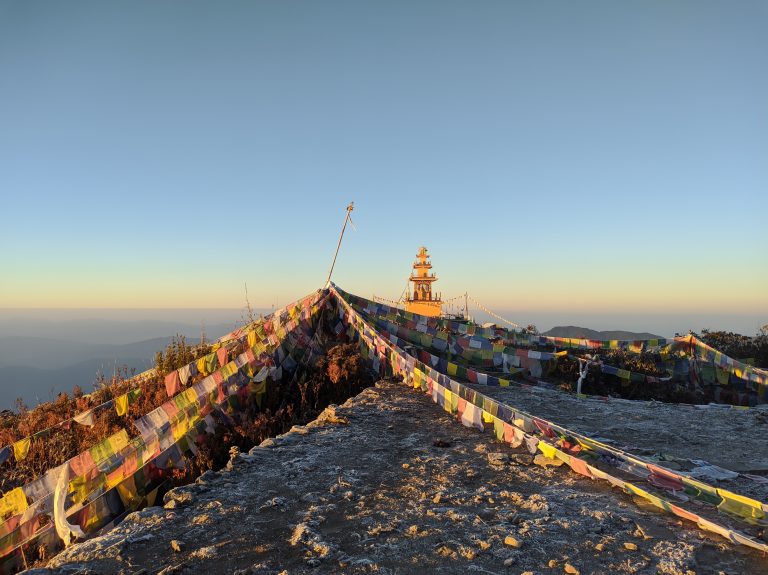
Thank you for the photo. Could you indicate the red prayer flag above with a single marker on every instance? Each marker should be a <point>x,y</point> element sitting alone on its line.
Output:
<point>172,383</point>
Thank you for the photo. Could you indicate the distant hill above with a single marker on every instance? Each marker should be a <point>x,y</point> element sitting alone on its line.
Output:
<point>36,369</point>
<point>586,333</point>
<point>34,385</point>
<point>48,353</point>
<point>73,352</point>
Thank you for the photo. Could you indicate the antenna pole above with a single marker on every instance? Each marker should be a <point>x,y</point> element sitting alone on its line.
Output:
<point>466,307</point>
<point>350,207</point>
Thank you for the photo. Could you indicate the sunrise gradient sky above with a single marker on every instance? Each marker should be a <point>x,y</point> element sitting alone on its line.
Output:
<point>604,157</point>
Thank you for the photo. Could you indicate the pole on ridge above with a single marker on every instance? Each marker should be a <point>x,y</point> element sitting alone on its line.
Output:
<point>347,218</point>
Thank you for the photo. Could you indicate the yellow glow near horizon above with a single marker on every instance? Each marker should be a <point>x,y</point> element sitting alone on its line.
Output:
<point>561,287</point>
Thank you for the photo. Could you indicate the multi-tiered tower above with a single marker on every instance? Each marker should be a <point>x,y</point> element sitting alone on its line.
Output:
<point>422,301</point>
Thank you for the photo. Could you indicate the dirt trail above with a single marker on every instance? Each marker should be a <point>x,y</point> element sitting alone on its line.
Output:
<point>389,483</point>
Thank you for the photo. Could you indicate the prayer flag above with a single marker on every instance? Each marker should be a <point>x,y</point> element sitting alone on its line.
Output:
<point>13,503</point>
<point>185,372</point>
<point>740,506</point>
<point>21,448</point>
<point>221,354</point>
<point>85,418</point>
<point>580,466</point>
<point>172,383</point>
<point>548,450</point>
<point>121,404</point>
<point>472,416</point>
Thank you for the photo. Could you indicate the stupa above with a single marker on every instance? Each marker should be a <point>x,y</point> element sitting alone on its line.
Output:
<point>421,300</point>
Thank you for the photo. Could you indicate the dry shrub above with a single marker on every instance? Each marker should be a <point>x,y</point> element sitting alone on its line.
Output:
<point>64,442</point>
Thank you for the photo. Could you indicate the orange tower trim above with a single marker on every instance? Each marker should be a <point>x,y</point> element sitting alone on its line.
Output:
<point>421,300</point>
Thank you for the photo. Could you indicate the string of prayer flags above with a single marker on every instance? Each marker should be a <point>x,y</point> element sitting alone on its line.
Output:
<point>544,433</point>
<point>119,474</point>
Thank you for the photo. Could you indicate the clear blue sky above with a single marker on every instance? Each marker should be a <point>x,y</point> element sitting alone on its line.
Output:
<point>595,157</point>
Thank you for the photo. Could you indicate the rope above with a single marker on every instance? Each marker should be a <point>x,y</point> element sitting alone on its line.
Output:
<point>383,299</point>
<point>453,298</point>
<point>490,313</point>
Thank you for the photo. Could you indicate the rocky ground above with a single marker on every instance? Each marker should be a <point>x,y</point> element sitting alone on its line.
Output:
<point>673,434</point>
<point>389,483</point>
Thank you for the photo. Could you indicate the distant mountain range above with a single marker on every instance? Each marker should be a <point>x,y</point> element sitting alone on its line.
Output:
<point>586,333</point>
<point>38,368</point>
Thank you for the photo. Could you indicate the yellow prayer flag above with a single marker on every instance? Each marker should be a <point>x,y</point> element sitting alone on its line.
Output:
<point>647,495</point>
<point>13,503</point>
<point>119,440</point>
<point>151,496</point>
<point>487,417</point>
<point>79,486</point>
<point>548,450</point>
<point>498,428</point>
<point>447,402</point>
<point>128,494</point>
<point>180,426</point>
<point>741,506</point>
<point>121,404</point>
<point>21,448</point>
<point>108,447</point>
<point>190,395</point>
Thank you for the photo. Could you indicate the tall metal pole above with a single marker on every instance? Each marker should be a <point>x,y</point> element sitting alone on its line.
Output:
<point>466,307</point>
<point>350,207</point>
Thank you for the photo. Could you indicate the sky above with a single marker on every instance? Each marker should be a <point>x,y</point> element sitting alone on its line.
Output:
<point>560,160</point>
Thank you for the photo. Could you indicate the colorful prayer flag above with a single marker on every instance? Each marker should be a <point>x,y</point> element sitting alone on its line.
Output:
<point>85,418</point>
<point>121,404</point>
<point>21,448</point>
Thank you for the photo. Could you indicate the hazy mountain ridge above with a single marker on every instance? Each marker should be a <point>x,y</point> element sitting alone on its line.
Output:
<point>42,356</point>
<point>31,367</point>
<point>35,385</point>
<point>586,333</point>
<point>49,353</point>
<point>107,331</point>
